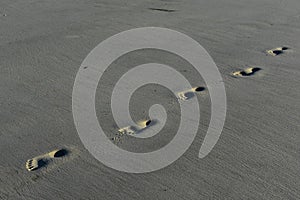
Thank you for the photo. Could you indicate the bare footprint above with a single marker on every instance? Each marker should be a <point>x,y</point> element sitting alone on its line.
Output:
<point>144,123</point>
<point>42,160</point>
<point>32,164</point>
<point>246,72</point>
<point>277,51</point>
<point>130,130</point>
<point>185,95</point>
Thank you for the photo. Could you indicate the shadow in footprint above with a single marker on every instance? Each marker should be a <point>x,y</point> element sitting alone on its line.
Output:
<point>199,89</point>
<point>61,153</point>
<point>162,10</point>
<point>189,95</point>
<point>42,163</point>
<point>149,124</point>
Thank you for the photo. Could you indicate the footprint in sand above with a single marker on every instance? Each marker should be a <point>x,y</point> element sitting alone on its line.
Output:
<point>247,72</point>
<point>144,123</point>
<point>185,95</point>
<point>40,161</point>
<point>130,130</point>
<point>277,51</point>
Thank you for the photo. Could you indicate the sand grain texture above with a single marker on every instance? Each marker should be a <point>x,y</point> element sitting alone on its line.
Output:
<point>42,45</point>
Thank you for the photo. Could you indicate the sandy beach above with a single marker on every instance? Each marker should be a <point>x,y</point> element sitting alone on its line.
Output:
<point>43,45</point>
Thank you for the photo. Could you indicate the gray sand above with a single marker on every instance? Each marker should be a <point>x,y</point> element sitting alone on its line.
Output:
<point>42,45</point>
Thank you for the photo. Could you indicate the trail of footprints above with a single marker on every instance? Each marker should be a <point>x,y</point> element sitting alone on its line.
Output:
<point>40,161</point>
<point>130,130</point>
<point>252,70</point>
<point>187,94</point>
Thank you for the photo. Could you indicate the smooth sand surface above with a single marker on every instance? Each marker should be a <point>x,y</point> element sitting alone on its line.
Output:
<point>42,45</point>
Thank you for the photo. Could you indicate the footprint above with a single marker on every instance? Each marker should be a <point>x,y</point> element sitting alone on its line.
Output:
<point>42,160</point>
<point>277,51</point>
<point>247,72</point>
<point>144,123</point>
<point>130,130</point>
<point>185,95</point>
